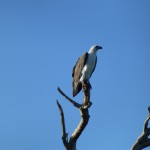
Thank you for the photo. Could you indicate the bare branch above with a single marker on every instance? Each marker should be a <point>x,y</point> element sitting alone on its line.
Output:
<point>86,90</point>
<point>71,145</point>
<point>146,129</point>
<point>149,110</point>
<point>69,99</point>
<point>143,141</point>
<point>64,134</point>
<point>84,121</point>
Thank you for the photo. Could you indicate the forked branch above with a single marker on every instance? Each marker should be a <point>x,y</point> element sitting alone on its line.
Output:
<point>143,141</point>
<point>83,108</point>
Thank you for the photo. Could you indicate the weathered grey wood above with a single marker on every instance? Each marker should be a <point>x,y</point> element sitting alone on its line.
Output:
<point>143,140</point>
<point>64,134</point>
<point>70,144</point>
<point>84,113</point>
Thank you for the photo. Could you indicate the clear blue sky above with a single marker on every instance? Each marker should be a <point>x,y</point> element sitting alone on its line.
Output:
<point>40,41</point>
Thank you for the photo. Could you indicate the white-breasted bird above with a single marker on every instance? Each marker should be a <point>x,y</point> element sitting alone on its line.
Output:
<point>84,68</point>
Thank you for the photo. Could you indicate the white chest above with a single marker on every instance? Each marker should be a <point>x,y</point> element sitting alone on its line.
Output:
<point>88,68</point>
<point>91,59</point>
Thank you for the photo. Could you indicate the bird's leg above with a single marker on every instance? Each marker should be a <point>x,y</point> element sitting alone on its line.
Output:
<point>86,86</point>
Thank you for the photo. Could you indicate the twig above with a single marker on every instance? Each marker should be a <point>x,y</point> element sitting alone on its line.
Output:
<point>69,99</point>
<point>64,134</point>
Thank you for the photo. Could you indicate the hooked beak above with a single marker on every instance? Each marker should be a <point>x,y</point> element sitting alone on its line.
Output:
<point>99,47</point>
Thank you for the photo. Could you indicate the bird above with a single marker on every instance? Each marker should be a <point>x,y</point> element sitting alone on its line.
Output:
<point>84,68</point>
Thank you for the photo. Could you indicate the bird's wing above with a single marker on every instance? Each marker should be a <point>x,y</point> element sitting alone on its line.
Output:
<point>76,74</point>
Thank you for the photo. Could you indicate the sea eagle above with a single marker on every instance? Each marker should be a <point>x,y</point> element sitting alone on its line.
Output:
<point>84,68</point>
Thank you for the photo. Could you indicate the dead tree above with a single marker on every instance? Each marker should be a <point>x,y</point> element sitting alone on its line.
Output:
<point>143,140</point>
<point>70,143</point>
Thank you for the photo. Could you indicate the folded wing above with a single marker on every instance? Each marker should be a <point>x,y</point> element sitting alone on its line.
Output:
<point>77,73</point>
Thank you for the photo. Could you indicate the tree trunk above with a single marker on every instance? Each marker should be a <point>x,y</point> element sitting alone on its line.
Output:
<point>84,113</point>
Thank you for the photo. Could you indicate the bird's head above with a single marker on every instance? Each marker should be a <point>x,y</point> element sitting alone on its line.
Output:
<point>94,49</point>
